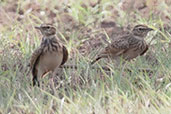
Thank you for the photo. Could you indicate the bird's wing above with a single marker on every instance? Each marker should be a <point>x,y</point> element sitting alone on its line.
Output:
<point>145,50</point>
<point>36,54</point>
<point>65,55</point>
<point>118,46</point>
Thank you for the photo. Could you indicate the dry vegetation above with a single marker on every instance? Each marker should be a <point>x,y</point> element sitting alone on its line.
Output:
<point>85,27</point>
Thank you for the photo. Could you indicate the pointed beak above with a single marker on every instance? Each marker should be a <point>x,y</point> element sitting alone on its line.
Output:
<point>150,29</point>
<point>37,27</point>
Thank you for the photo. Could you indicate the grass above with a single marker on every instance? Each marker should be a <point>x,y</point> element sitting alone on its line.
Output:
<point>82,90</point>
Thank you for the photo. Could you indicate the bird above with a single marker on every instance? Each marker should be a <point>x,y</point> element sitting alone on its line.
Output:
<point>127,46</point>
<point>49,56</point>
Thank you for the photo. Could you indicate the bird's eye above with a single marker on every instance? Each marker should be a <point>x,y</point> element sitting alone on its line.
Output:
<point>48,27</point>
<point>140,29</point>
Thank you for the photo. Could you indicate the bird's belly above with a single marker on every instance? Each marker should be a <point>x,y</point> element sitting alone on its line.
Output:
<point>50,60</point>
<point>132,53</point>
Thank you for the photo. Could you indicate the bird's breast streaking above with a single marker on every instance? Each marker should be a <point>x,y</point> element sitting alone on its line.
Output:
<point>50,45</point>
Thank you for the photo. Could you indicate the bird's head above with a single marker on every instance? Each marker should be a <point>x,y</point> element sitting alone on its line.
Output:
<point>47,29</point>
<point>141,30</point>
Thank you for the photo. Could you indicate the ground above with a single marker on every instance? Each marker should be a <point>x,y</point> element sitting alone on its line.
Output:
<point>85,28</point>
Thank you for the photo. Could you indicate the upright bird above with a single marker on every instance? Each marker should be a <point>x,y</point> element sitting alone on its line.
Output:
<point>128,46</point>
<point>49,55</point>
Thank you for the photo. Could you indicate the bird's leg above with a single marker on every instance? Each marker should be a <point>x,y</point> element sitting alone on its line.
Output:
<point>54,72</point>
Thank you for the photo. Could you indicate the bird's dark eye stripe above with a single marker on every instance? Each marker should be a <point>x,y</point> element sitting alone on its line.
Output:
<point>46,27</point>
<point>141,28</point>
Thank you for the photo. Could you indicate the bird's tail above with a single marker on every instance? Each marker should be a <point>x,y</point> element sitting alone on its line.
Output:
<point>94,61</point>
<point>35,78</point>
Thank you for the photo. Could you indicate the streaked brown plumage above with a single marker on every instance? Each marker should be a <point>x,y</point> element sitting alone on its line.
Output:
<point>128,46</point>
<point>49,56</point>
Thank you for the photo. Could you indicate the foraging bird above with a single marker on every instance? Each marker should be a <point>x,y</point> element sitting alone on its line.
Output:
<point>49,55</point>
<point>128,46</point>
